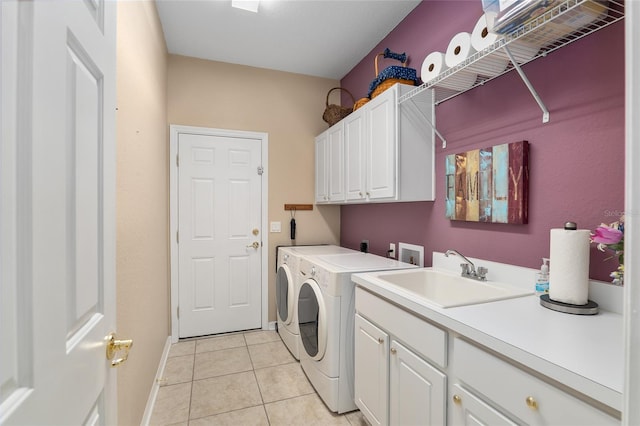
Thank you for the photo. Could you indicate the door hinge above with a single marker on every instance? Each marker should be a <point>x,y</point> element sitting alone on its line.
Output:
<point>177,161</point>
<point>260,170</point>
<point>178,237</point>
<point>178,312</point>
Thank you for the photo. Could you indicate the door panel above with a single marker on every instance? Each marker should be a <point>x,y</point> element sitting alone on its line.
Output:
<point>58,201</point>
<point>219,220</point>
<point>371,381</point>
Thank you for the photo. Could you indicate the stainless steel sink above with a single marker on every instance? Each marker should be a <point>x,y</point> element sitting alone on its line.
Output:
<point>446,289</point>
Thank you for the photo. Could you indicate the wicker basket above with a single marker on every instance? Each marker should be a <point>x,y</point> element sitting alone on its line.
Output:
<point>392,75</point>
<point>360,102</point>
<point>334,113</point>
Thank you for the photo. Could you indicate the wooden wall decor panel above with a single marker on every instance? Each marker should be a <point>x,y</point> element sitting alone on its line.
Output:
<point>488,184</point>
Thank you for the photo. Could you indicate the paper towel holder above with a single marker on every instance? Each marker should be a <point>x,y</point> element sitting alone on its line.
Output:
<point>591,308</point>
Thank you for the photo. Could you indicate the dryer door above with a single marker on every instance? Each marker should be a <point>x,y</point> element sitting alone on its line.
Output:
<point>312,319</point>
<point>284,294</point>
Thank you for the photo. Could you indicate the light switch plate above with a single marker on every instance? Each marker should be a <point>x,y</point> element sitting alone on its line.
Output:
<point>276,227</point>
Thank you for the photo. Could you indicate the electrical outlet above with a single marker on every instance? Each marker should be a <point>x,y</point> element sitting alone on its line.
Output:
<point>392,250</point>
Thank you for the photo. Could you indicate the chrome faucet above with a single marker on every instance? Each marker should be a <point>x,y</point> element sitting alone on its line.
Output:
<point>468,268</point>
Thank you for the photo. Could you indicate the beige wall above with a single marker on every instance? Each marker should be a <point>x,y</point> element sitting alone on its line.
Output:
<point>286,106</point>
<point>142,203</point>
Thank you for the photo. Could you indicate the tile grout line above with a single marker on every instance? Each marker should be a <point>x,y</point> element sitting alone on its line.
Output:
<point>193,372</point>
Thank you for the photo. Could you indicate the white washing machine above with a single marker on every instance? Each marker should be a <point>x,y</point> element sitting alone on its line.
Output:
<point>326,316</point>
<point>287,284</point>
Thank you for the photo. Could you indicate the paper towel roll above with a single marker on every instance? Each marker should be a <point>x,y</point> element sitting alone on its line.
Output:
<point>569,277</point>
<point>459,49</point>
<point>481,39</point>
<point>434,64</point>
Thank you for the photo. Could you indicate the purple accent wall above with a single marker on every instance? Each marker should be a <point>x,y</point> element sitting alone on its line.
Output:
<point>576,160</point>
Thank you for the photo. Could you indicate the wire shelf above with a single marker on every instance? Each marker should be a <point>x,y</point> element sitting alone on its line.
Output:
<point>554,29</point>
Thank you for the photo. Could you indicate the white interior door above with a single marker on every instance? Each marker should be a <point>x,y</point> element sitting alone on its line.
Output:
<point>57,214</point>
<point>219,233</point>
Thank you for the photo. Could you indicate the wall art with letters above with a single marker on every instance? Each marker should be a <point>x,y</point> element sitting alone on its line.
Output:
<point>489,184</point>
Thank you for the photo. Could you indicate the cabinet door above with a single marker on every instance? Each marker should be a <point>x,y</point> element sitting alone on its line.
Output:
<point>381,149</point>
<point>417,390</point>
<point>468,410</point>
<point>354,141</point>
<point>335,163</point>
<point>322,187</point>
<point>371,371</point>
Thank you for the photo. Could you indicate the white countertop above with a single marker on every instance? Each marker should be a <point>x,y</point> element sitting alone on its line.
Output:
<point>584,352</point>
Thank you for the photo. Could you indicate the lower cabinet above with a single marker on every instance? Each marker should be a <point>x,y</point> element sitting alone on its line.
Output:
<point>409,371</point>
<point>395,384</point>
<point>371,385</point>
<point>514,392</point>
<point>417,390</point>
<point>469,410</point>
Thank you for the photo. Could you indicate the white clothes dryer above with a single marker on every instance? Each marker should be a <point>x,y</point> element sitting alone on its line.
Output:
<point>326,317</point>
<point>287,284</point>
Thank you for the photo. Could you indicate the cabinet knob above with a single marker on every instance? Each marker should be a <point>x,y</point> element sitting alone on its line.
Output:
<point>532,403</point>
<point>457,399</point>
<point>393,351</point>
<point>360,193</point>
<point>380,340</point>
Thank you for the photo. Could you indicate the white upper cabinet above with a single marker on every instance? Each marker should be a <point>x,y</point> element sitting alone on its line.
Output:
<point>381,146</point>
<point>388,152</point>
<point>354,144</point>
<point>322,184</point>
<point>330,165</point>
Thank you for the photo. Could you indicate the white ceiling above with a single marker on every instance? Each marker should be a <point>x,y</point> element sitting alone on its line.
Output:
<point>323,38</point>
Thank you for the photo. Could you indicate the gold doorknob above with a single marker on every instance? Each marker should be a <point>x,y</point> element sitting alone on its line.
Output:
<point>457,399</point>
<point>114,346</point>
<point>255,245</point>
<point>532,403</point>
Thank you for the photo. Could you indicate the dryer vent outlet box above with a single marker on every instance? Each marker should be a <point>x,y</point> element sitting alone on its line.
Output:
<point>410,253</point>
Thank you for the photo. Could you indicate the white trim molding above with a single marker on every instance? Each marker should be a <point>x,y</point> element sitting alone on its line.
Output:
<point>155,386</point>
<point>631,408</point>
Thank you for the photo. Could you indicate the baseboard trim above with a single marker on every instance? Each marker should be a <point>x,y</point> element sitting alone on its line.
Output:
<point>151,401</point>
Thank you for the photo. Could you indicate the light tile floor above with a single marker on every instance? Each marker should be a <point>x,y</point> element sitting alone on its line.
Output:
<point>240,379</point>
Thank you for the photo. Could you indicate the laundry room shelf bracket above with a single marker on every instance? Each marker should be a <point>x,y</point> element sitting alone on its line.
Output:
<point>532,90</point>
<point>430,123</point>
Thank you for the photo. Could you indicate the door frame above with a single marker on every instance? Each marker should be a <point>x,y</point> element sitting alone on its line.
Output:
<point>174,131</point>
<point>631,315</point>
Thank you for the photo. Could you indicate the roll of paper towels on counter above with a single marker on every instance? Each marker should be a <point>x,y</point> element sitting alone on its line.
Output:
<point>434,65</point>
<point>569,255</point>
